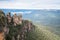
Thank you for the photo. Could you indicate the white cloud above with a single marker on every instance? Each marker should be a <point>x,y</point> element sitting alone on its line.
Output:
<point>38,1</point>
<point>30,4</point>
<point>14,5</point>
<point>28,12</point>
<point>25,12</point>
<point>17,12</point>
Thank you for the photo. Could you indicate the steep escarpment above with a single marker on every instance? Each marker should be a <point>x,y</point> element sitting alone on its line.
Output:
<point>14,27</point>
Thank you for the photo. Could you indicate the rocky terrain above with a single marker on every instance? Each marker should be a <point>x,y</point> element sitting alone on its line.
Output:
<point>14,28</point>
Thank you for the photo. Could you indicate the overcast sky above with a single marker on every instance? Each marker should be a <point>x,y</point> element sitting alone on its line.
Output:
<point>30,4</point>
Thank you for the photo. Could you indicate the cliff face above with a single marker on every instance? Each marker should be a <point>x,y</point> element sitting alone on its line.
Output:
<point>2,24</point>
<point>2,18</point>
<point>14,27</point>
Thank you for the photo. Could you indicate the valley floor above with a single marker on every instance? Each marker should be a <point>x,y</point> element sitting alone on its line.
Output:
<point>42,34</point>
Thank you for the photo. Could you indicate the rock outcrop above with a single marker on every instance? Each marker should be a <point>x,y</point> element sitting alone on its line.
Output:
<point>14,27</point>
